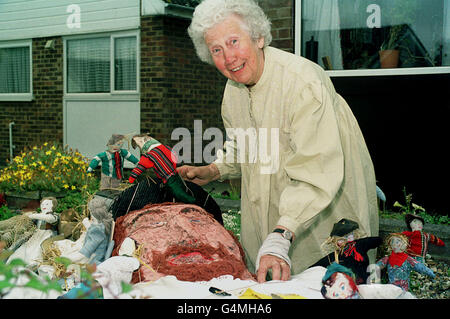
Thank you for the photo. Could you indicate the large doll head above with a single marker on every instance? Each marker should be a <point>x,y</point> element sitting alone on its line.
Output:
<point>397,243</point>
<point>115,143</point>
<point>48,205</point>
<point>339,283</point>
<point>414,222</point>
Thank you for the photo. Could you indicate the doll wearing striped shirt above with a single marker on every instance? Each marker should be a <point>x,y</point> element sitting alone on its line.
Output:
<point>163,162</point>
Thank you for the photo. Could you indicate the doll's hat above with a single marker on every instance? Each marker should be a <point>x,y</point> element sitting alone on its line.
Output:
<point>115,138</point>
<point>410,217</point>
<point>343,227</point>
<point>335,267</point>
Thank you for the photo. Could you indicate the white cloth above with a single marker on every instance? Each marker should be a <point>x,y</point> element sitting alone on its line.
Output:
<point>381,291</point>
<point>112,272</point>
<point>31,251</point>
<point>306,284</point>
<point>19,292</point>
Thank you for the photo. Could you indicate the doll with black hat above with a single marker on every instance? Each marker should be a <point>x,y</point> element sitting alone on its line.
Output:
<point>418,239</point>
<point>349,249</point>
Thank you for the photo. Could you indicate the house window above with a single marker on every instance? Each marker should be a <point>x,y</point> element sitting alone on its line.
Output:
<point>15,71</point>
<point>105,64</point>
<point>352,35</point>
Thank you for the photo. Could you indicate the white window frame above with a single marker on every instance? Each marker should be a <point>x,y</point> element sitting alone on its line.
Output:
<point>363,72</point>
<point>113,94</point>
<point>19,96</point>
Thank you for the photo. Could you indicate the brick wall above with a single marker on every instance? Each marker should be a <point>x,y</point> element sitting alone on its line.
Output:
<point>41,119</point>
<point>281,15</point>
<point>176,87</point>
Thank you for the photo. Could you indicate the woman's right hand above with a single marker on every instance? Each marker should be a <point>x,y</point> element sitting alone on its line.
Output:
<point>200,175</point>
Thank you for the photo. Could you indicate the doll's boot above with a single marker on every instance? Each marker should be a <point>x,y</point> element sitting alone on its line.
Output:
<point>179,190</point>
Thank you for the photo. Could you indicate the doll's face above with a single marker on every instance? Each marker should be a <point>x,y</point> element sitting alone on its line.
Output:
<point>342,241</point>
<point>46,206</point>
<point>140,140</point>
<point>416,224</point>
<point>340,289</point>
<point>115,147</point>
<point>397,245</point>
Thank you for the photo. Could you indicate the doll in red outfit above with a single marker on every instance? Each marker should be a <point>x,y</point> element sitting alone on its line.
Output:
<point>418,239</point>
<point>164,163</point>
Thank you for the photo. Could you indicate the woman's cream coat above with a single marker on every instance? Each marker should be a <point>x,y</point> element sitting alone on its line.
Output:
<point>305,164</point>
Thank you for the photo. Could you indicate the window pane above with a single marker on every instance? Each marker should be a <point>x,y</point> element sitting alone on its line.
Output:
<point>125,63</point>
<point>349,34</point>
<point>88,65</point>
<point>15,70</point>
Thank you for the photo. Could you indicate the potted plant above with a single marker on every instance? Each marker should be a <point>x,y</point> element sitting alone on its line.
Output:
<point>400,15</point>
<point>389,52</point>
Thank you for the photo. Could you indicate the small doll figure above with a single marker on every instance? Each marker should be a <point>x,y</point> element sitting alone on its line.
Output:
<point>164,163</point>
<point>47,214</point>
<point>339,283</point>
<point>112,161</point>
<point>97,237</point>
<point>348,249</point>
<point>418,239</point>
<point>399,264</point>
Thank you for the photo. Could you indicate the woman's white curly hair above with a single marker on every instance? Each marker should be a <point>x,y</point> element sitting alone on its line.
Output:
<point>211,12</point>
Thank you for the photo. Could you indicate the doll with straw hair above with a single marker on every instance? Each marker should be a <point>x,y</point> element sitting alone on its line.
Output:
<point>399,264</point>
<point>348,246</point>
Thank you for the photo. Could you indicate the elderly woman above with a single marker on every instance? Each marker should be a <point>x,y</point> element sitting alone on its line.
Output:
<point>320,170</point>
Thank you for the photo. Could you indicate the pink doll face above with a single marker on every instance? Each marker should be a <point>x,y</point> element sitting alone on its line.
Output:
<point>341,242</point>
<point>341,288</point>
<point>397,245</point>
<point>114,147</point>
<point>416,224</point>
<point>46,206</point>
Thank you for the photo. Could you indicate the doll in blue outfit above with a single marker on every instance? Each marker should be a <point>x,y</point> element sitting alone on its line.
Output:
<point>97,241</point>
<point>399,264</point>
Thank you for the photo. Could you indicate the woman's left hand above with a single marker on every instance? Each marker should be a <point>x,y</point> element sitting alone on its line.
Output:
<point>280,269</point>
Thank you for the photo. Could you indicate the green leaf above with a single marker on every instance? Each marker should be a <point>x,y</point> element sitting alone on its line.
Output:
<point>5,284</point>
<point>63,260</point>
<point>17,262</point>
<point>36,284</point>
<point>126,288</point>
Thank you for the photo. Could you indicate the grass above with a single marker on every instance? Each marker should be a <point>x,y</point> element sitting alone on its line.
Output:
<point>232,222</point>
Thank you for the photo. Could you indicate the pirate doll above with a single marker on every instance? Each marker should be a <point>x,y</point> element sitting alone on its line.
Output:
<point>418,239</point>
<point>164,163</point>
<point>112,161</point>
<point>399,264</point>
<point>348,249</point>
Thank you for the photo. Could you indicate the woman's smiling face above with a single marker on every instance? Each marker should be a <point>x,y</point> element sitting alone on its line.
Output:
<point>233,51</point>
